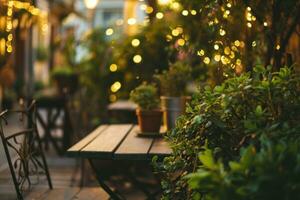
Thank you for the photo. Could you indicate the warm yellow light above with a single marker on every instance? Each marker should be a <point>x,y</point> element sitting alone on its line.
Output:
<point>116,86</point>
<point>143,7</point>
<point>169,38</point>
<point>277,47</point>
<point>137,58</point>
<point>185,13</point>
<point>109,31</point>
<point>91,4</point>
<point>265,23</point>
<point>164,2</point>
<point>131,21</point>
<point>248,8</point>
<point>175,5</point>
<point>9,49</point>
<point>217,57</point>
<point>206,60</point>
<point>179,29</point>
<point>149,10</point>
<point>227,50</point>
<point>181,42</point>
<point>254,44</point>
<point>222,32</point>
<point>113,67</point>
<point>253,18</point>
<point>201,52</point>
<point>238,61</point>
<point>135,42</point>
<point>224,60</point>
<point>175,32</point>
<point>193,12</point>
<point>229,5</point>
<point>249,25</point>
<point>159,15</point>
<point>237,43</point>
<point>216,47</point>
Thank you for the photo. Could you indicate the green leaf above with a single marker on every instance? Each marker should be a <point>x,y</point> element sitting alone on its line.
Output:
<point>207,159</point>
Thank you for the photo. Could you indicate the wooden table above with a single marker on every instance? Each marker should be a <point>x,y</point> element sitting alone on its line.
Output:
<point>118,142</point>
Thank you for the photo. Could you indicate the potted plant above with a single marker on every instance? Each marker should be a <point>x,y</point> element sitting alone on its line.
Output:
<point>148,113</point>
<point>173,89</point>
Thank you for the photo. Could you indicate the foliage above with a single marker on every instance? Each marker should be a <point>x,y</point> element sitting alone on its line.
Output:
<point>154,50</point>
<point>228,117</point>
<point>95,77</point>
<point>62,71</point>
<point>264,30</point>
<point>41,53</point>
<point>270,171</point>
<point>173,81</point>
<point>145,96</point>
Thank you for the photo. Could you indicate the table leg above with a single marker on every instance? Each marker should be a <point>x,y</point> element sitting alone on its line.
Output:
<point>113,194</point>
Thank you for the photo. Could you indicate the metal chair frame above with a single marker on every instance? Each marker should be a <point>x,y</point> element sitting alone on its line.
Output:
<point>30,161</point>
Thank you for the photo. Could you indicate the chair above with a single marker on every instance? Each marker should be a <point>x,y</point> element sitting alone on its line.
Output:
<point>29,163</point>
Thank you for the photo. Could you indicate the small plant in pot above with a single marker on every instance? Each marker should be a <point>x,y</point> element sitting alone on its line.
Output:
<point>173,89</point>
<point>148,113</point>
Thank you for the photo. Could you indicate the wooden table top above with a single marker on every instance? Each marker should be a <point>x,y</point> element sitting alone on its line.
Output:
<point>119,142</point>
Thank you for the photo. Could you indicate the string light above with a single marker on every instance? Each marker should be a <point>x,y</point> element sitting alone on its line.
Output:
<point>206,60</point>
<point>137,58</point>
<point>181,42</point>
<point>201,52</point>
<point>159,15</point>
<point>185,13</point>
<point>131,21</point>
<point>175,32</point>
<point>109,31</point>
<point>193,12</point>
<point>113,67</point>
<point>216,47</point>
<point>135,42</point>
<point>149,10</point>
<point>222,32</point>
<point>116,86</point>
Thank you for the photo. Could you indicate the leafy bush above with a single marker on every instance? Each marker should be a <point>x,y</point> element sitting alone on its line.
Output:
<point>145,96</point>
<point>229,117</point>
<point>173,82</point>
<point>269,172</point>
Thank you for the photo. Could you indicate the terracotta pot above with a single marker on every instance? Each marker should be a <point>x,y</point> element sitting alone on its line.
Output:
<point>149,120</point>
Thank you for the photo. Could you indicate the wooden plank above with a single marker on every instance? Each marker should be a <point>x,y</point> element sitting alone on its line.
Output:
<point>160,148</point>
<point>75,149</point>
<point>60,194</point>
<point>134,147</point>
<point>107,142</point>
<point>93,193</point>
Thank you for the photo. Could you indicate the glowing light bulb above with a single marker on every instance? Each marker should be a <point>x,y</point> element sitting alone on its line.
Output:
<point>175,32</point>
<point>159,15</point>
<point>237,43</point>
<point>265,23</point>
<point>181,42</point>
<point>135,42</point>
<point>185,13</point>
<point>206,60</point>
<point>113,67</point>
<point>131,21</point>
<point>201,52</point>
<point>222,32</point>
<point>217,57</point>
<point>109,31</point>
<point>91,4</point>
<point>163,2</point>
<point>216,47</point>
<point>193,12</point>
<point>149,10</point>
<point>137,58</point>
<point>116,86</point>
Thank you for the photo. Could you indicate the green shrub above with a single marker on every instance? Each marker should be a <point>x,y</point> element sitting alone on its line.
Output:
<point>269,172</point>
<point>145,96</point>
<point>231,116</point>
<point>173,81</point>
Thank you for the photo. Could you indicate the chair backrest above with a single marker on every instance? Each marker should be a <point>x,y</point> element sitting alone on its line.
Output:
<point>23,149</point>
